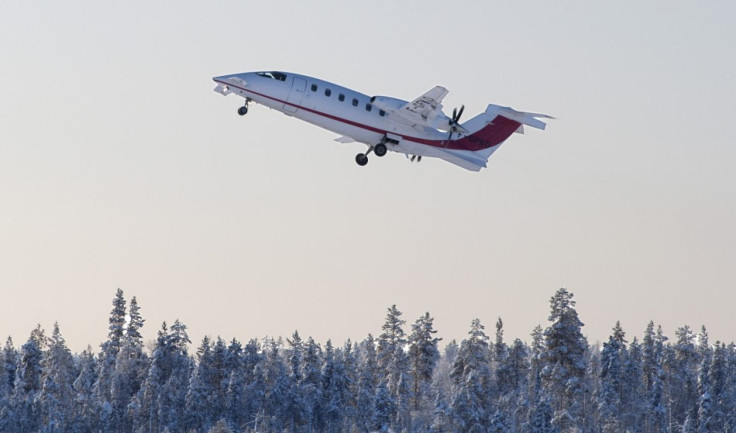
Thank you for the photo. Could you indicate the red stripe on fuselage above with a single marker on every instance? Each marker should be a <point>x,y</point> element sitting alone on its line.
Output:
<point>490,135</point>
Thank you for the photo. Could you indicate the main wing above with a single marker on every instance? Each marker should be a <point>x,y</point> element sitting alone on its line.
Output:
<point>424,111</point>
<point>427,106</point>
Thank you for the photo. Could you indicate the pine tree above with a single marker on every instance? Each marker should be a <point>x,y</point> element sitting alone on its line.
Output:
<point>541,421</point>
<point>564,360</point>
<point>85,406</point>
<point>254,371</point>
<point>131,366</point>
<point>296,410</point>
<point>512,376</point>
<point>384,408</point>
<point>393,363</point>
<point>390,344</point>
<point>8,366</point>
<point>367,383</point>
<point>423,357</point>
<point>198,393</point>
<point>334,388</point>
<point>161,400</point>
<point>472,377</point>
<point>55,396</point>
<point>349,365</point>
<point>706,421</point>
<point>633,393</point>
<point>536,362</point>
<point>682,374</point>
<point>310,384</point>
<point>27,384</point>
<point>110,418</point>
<point>718,380</point>
<point>612,371</point>
<point>277,386</point>
<point>235,406</point>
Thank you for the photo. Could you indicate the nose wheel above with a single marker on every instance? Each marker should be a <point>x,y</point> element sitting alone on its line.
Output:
<point>361,159</point>
<point>244,109</point>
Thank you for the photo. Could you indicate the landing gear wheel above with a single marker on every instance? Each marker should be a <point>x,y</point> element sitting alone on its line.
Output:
<point>361,159</point>
<point>243,110</point>
<point>380,149</point>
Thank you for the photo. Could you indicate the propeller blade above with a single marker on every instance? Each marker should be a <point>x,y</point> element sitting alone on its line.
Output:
<point>459,113</point>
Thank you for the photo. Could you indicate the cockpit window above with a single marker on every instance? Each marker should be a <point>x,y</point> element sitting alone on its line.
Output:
<point>273,75</point>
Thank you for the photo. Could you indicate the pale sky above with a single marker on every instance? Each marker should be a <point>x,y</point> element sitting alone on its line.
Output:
<point>120,168</point>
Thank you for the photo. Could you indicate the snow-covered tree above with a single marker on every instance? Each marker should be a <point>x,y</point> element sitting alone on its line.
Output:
<point>8,365</point>
<point>472,378</point>
<point>27,384</point>
<point>384,408</point>
<point>682,364</point>
<point>423,356</point>
<point>366,388</point>
<point>390,345</point>
<point>85,407</point>
<point>564,360</point>
<point>55,397</point>
<point>110,416</point>
<point>130,369</point>
<point>612,377</point>
<point>541,419</point>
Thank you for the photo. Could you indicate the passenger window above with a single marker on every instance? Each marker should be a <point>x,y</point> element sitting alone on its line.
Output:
<point>314,87</point>
<point>341,97</point>
<point>328,92</point>
<point>355,102</point>
<point>368,107</point>
<point>381,113</point>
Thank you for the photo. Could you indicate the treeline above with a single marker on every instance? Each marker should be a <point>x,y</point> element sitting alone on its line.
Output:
<point>398,382</point>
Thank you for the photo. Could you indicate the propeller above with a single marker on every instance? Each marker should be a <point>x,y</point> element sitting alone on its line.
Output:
<point>454,121</point>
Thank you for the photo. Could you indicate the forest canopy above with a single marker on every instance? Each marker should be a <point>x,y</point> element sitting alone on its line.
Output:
<point>399,381</point>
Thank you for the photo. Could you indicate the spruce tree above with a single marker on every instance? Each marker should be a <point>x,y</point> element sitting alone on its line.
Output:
<point>563,360</point>
<point>8,366</point>
<point>85,406</point>
<point>367,383</point>
<point>56,395</point>
<point>110,417</point>
<point>27,384</point>
<point>423,357</point>
<point>472,378</point>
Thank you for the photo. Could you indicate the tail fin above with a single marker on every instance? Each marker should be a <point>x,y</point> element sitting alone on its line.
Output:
<point>487,131</point>
<point>494,126</point>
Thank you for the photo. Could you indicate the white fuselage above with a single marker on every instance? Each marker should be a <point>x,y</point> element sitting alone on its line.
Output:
<point>418,128</point>
<point>335,108</point>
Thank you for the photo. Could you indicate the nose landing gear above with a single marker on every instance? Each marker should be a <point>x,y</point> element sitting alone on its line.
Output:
<point>244,109</point>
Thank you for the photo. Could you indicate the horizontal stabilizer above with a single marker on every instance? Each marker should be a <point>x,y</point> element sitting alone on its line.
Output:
<point>529,119</point>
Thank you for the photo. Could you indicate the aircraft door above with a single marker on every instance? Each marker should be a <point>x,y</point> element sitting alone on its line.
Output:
<point>295,95</point>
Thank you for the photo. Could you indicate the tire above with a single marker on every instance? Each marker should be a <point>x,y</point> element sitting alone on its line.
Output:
<point>243,111</point>
<point>380,150</point>
<point>361,159</point>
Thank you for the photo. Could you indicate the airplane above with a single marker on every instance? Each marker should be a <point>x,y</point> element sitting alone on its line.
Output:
<point>417,128</point>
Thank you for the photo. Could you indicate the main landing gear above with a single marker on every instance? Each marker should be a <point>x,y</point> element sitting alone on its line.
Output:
<point>379,149</point>
<point>244,109</point>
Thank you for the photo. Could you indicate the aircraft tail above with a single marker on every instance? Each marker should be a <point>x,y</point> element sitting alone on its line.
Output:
<point>486,133</point>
